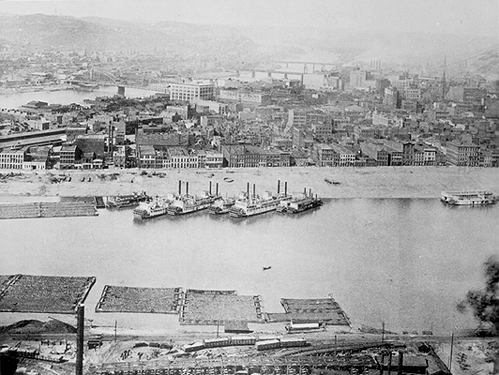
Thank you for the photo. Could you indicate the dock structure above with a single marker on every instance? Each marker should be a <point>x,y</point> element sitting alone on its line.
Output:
<point>228,366</point>
<point>215,307</point>
<point>43,294</point>
<point>139,300</point>
<point>46,209</point>
<point>321,310</point>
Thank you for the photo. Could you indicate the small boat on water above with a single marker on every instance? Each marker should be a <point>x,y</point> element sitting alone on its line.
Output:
<point>154,208</point>
<point>468,198</point>
<point>127,200</point>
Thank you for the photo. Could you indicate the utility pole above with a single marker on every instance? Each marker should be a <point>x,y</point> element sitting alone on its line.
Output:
<point>80,338</point>
<point>382,331</point>
<point>451,349</point>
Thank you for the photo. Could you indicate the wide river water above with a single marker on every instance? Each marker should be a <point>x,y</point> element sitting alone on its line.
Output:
<point>406,262</point>
<point>15,100</point>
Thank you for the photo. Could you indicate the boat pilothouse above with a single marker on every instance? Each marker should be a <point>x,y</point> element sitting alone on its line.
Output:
<point>468,198</point>
<point>249,205</point>
<point>186,203</point>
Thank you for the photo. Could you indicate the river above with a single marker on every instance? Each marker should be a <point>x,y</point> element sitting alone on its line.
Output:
<point>405,262</point>
<point>15,100</point>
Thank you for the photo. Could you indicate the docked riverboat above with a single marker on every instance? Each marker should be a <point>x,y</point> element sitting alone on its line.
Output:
<point>127,200</point>
<point>186,204</point>
<point>468,198</point>
<point>249,205</point>
<point>156,207</point>
<point>302,202</point>
<point>221,206</point>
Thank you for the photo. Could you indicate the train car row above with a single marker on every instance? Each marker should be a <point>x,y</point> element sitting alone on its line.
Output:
<point>260,344</point>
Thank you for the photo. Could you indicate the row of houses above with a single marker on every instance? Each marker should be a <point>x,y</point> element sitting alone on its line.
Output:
<point>382,152</point>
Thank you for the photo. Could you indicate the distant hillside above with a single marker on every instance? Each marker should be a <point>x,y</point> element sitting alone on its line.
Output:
<point>97,34</point>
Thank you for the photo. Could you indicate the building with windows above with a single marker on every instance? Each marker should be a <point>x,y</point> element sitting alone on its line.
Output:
<point>12,159</point>
<point>192,91</point>
<point>463,154</point>
<point>343,156</point>
<point>323,155</point>
<point>70,155</point>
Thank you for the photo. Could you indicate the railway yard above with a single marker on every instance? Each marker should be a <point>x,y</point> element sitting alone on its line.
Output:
<point>336,348</point>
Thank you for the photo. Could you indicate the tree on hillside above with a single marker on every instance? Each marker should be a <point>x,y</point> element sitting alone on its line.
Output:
<point>484,303</point>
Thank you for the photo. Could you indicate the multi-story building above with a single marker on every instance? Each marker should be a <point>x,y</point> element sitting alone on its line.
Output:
<point>70,155</point>
<point>181,158</point>
<point>463,154</point>
<point>413,94</point>
<point>323,155</point>
<point>241,156</point>
<point>376,152</point>
<point>12,159</point>
<point>343,156</point>
<point>357,78</point>
<point>192,91</point>
<point>364,132</point>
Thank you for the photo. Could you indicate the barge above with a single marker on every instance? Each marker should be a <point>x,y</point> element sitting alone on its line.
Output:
<point>468,198</point>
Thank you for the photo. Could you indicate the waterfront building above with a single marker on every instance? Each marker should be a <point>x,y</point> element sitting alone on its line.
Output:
<point>12,159</point>
<point>70,155</point>
<point>343,156</point>
<point>376,152</point>
<point>192,91</point>
<point>323,155</point>
<point>463,153</point>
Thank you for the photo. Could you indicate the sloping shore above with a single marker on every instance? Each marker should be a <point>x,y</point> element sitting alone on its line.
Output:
<point>378,182</point>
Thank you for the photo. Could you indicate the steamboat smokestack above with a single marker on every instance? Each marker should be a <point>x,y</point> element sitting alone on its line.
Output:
<point>179,187</point>
<point>210,187</point>
<point>217,188</point>
<point>278,186</point>
<point>285,187</point>
<point>187,188</point>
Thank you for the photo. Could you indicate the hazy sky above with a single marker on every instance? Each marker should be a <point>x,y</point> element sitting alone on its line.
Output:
<point>478,17</point>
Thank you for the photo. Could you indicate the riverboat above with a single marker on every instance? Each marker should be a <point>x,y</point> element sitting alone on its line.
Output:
<point>154,208</point>
<point>247,205</point>
<point>128,200</point>
<point>186,204</point>
<point>468,198</point>
<point>300,203</point>
<point>221,206</point>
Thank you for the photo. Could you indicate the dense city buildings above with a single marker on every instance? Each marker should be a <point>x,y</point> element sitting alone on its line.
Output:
<point>361,116</point>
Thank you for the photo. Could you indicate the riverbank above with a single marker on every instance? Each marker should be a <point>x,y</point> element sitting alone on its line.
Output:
<point>378,182</point>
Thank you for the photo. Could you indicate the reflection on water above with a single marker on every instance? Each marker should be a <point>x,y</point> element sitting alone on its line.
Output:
<point>16,100</point>
<point>402,261</point>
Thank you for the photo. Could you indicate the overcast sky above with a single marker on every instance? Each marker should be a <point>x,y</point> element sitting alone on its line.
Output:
<point>476,17</point>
